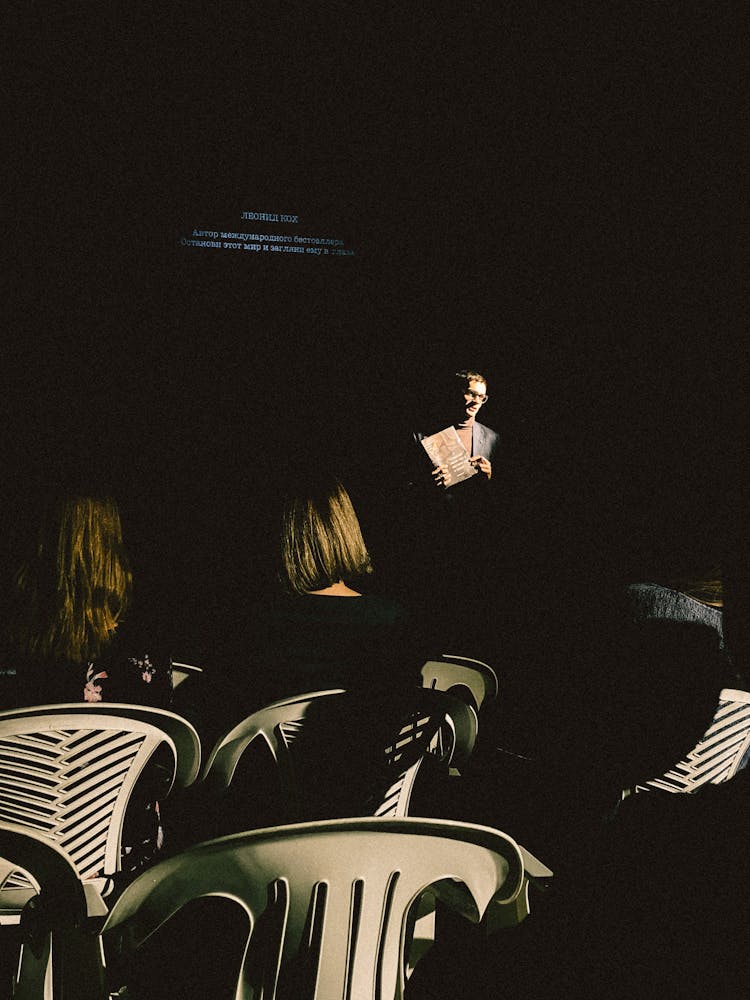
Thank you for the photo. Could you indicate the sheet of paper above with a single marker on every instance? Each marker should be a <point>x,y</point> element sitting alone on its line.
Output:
<point>445,448</point>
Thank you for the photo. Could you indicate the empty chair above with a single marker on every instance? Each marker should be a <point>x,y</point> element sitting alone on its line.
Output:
<point>61,911</point>
<point>330,904</point>
<point>67,773</point>
<point>443,729</point>
<point>461,674</point>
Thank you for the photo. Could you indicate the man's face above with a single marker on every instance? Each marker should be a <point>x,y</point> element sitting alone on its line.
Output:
<point>475,395</point>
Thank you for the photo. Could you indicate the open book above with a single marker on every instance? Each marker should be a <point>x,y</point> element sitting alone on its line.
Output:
<point>445,448</point>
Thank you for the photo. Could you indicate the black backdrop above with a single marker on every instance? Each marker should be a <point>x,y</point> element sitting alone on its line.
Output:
<point>543,196</point>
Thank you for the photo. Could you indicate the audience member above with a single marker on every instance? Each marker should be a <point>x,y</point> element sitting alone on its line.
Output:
<point>650,897</point>
<point>319,631</point>
<point>673,867</point>
<point>698,597</point>
<point>318,626</point>
<point>68,635</point>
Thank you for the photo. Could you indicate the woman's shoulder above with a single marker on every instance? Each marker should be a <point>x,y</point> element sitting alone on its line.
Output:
<point>384,608</point>
<point>367,609</point>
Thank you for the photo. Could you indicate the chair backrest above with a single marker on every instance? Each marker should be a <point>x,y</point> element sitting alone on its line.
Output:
<point>435,724</point>
<point>439,725</point>
<point>182,672</point>
<point>277,725</point>
<point>396,799</point>
<point>67,772</point>
<point>61,908</point>
<point>454,673</point>
<point>720,752</point>
<point>328,902</point>
<point>46,864</point>
<point>443,729</point>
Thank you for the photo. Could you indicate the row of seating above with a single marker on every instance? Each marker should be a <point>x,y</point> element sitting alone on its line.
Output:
<point>68,772</point>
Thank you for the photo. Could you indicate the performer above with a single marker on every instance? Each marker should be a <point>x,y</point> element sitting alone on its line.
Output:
<point>480,442</point>
<point>448,529</point>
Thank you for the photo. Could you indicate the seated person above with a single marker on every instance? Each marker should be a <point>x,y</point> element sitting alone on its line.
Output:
<point>650,899</point>
<point>316,630</point>
<point>678,600</point>
<point>672,866</point>
<point>320,631</point>
<point>67,636</point>
<point>700,598</point>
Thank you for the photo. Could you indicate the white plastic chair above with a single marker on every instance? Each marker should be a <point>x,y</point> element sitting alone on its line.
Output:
<point>67,772</point>
<point>277,725</point>
<point>330,903</point>
<point>444,728</point>
<point>720,752</point>
<point>63,910</point>
<point>66,775</point>
<point>440,725</point>
<point>182,672</point>
<point>452,673</point>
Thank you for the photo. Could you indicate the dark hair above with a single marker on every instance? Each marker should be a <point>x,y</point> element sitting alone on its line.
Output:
<point>705,587</point>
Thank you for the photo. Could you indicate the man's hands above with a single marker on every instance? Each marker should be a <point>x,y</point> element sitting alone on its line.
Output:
<point>439,475</point>
<point>480,463</point>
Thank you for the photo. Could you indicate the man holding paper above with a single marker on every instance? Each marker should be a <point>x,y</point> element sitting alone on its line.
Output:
<point>465,448</point>
<point>452,515</point>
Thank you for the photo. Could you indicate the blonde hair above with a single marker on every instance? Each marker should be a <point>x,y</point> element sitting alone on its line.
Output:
<point>321,541</point>
<point>77,585</point>
<point>706,589</point>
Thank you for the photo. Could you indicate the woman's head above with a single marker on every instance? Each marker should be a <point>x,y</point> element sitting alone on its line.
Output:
<point>321,540</point>
<point>75,585</point>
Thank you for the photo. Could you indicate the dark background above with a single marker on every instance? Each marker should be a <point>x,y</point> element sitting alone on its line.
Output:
<point>543,195</point>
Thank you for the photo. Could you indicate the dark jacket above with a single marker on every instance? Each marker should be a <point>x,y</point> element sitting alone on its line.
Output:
<point>485,442</point>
